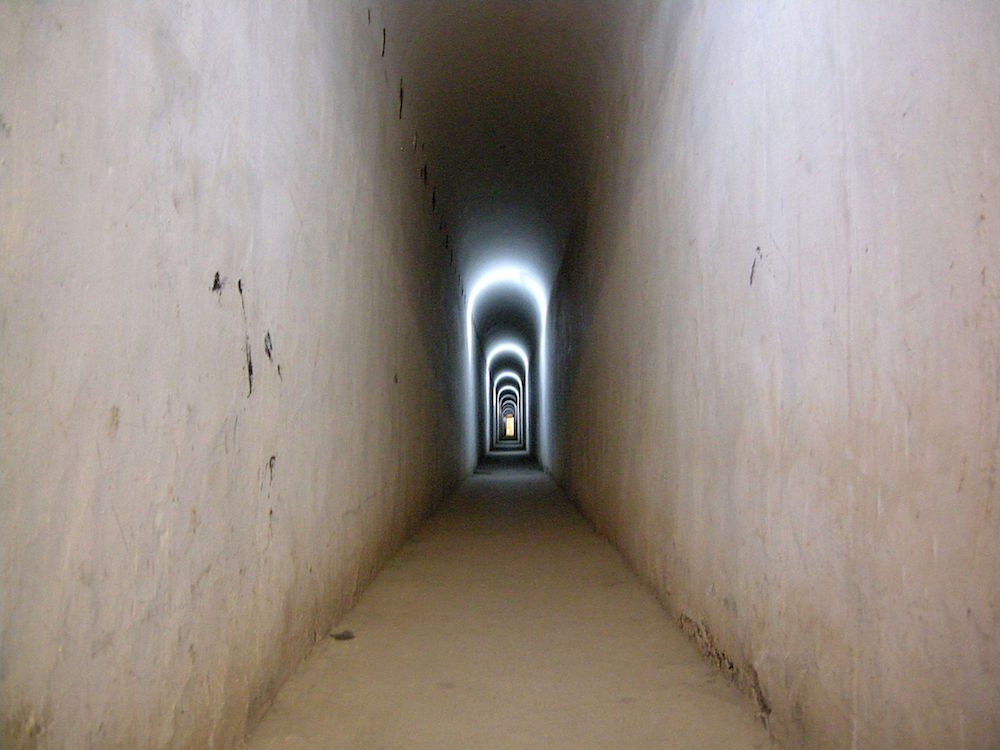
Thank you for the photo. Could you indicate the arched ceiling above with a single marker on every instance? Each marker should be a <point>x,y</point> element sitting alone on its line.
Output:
<point>503,311</point>
<point>500,100</point>
<point>500,96</point>
<point>508,362</point>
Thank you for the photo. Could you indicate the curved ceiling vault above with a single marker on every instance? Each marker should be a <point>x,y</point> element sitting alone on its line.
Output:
<point>500,97</point>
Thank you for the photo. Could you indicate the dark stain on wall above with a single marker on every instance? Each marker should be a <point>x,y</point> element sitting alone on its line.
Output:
<point>743,676</point>
<point>113,418</point>
<point>246,329</point>
<point>249,369</point>
<point>269,351</point>
<point>22,728</point>
<point>753,267</point>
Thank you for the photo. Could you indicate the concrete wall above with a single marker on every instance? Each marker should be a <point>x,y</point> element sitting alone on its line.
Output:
<point>186,190</point>
<point>785,402</point>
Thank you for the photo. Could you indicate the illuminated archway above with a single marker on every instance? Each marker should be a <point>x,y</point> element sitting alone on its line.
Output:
<point>507,431</point>
<point>506,394</point>
<point>522,279</point>
<point>507,399</point>
<point>505,347</point>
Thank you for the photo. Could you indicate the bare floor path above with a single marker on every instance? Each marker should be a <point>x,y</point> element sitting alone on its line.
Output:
<point>506,622</point>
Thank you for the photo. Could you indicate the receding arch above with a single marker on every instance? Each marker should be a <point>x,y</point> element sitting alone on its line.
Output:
<point>518,350</point>
<point>520,280</point>
<point>507,398</point>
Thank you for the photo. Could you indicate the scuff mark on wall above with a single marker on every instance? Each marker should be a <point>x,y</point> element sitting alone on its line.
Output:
<point>113,418</point>
<point>744,676</point>
<point>23,729</point>
<point>753,267</point>
<point>246,328</point>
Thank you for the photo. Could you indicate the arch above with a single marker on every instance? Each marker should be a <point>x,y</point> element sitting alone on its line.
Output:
<point>507,401</point>
<point>497,401</point>
<point>514,348</point>
<point>523,279</point>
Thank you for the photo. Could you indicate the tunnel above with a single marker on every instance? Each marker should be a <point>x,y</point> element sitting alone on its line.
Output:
<point>651,333</point>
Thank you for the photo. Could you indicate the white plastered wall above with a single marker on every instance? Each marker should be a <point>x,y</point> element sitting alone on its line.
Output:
<point>786,401</point>
<point>173,539</point>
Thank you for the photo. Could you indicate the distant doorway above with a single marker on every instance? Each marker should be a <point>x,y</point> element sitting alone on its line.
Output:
<point>509,426</point>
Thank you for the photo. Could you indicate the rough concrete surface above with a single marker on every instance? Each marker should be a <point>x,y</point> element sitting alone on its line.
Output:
<point>506,622</point>
<point>214,349</point>
<point>786,401</point>
<point>236,244</point>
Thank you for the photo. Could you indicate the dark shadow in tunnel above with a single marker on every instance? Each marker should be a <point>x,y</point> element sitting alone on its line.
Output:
<point>507,314</point>
<point>497,463</point>
<point>502,99</point>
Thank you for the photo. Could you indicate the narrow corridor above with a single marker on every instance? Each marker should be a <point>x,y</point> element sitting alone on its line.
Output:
<point>277,276</point>
<point>507,622</point>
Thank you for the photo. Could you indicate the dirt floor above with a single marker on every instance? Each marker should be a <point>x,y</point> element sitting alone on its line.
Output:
<point>506,622</point>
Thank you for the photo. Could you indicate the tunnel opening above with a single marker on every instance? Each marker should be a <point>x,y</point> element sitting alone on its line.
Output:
<point>508,417</point>
<point>505,138</point>
<point>506,343</point>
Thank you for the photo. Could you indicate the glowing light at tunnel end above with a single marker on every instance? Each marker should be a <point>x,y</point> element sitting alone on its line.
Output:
<point>523,279</point>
